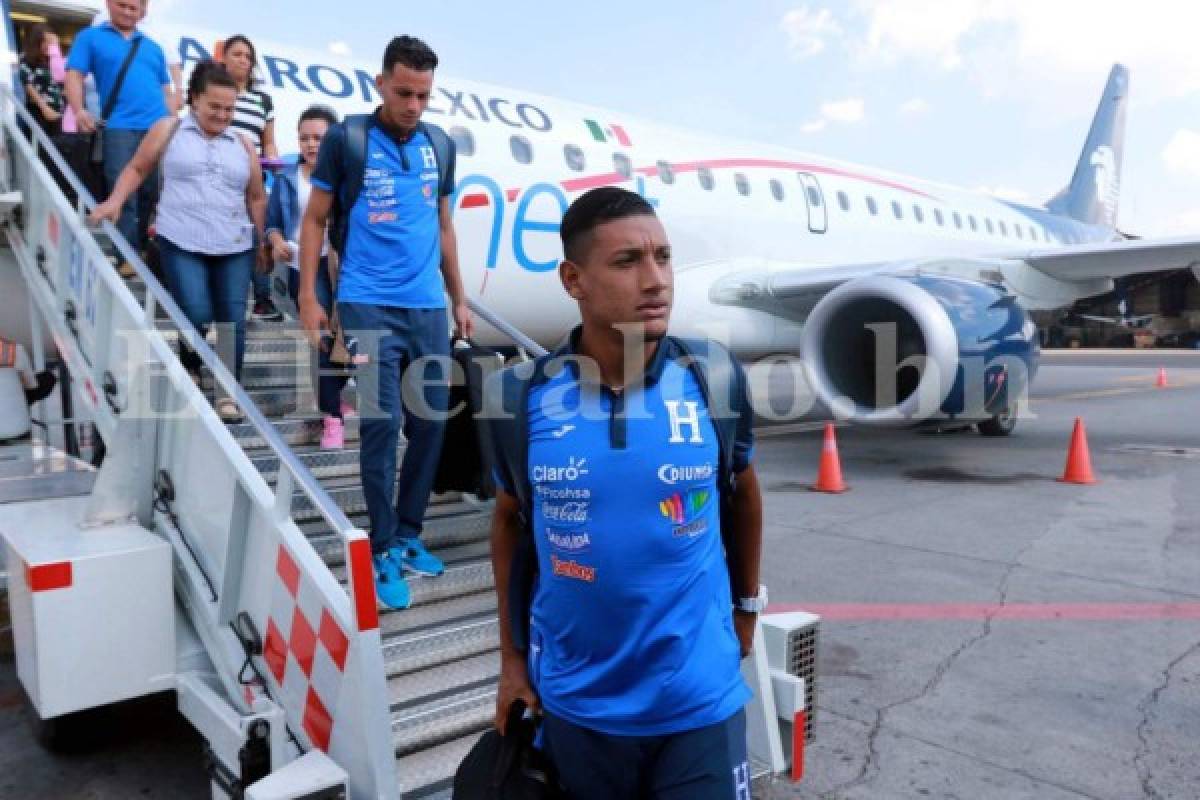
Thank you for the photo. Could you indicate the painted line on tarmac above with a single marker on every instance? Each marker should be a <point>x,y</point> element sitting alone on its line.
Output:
<point>1046,612</point>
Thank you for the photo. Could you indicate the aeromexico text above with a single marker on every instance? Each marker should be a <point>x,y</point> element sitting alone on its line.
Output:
<point>338,84</point>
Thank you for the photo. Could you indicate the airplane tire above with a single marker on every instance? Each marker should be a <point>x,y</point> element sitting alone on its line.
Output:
<point>67,734</point>
<point>1001,424</point>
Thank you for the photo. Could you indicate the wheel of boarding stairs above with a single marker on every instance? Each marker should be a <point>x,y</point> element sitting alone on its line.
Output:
<point>1001,424</point>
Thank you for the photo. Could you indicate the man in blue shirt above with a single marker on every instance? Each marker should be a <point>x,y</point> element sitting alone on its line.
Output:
<point>633,642</point>
<point>397,254</point>
<point>142,100</point>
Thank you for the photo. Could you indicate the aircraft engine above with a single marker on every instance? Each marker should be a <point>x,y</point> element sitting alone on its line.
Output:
<point>906,350</point>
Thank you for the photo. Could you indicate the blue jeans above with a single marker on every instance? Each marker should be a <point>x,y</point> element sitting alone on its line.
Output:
<point>707,763</point>
<point>393,339</point>
<point>119,147</point>
<point>331,378</point>
<point>210,289</point>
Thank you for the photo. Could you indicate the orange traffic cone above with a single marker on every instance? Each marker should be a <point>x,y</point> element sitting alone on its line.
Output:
<point>829,476</point>
<point>1079,461</point>
<point>1161,383</point>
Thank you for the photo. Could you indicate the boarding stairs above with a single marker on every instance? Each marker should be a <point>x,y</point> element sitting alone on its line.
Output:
<point>435,665</point>
<point>279,638</point>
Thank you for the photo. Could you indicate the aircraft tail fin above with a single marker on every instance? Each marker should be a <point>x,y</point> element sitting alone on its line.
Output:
<point>1095,187</point>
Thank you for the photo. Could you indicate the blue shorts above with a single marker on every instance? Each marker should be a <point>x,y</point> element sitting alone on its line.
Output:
<point>707,763</point>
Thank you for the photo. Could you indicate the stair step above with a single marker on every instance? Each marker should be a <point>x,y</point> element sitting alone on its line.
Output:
<point>443,683</point>
<point>456,640</point>
<point>441,531</point>
<point>429,774</point>
<point>296,431</point>
<point>472,557</point>
<point>348,494</point>
<point>466,711</point>
<point>437,613</point>
<point>321,463</point>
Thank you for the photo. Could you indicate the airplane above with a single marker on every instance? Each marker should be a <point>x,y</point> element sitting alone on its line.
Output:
<point>906,300</point>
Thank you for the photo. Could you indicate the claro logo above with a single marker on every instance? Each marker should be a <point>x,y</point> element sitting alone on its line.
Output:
<point>671,474</point>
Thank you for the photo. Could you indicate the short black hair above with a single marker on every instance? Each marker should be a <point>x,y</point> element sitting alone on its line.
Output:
<point>411,52</point>
<point>595,207</point>
<point>318,112</point>
<point>205,74</point>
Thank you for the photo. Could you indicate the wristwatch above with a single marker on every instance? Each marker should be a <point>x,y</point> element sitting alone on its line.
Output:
<point>753,605</point>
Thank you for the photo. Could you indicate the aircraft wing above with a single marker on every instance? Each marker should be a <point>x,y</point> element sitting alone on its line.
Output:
<point>794,289</point>
<point>1115,259</point>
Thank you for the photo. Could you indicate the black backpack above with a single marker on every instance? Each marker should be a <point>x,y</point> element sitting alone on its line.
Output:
<point>354,159</point>
<point>718,376</point>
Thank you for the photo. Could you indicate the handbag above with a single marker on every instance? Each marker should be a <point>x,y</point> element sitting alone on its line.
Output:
<point>342,352</point>
<point>96,153</point>
<point>507,767</point>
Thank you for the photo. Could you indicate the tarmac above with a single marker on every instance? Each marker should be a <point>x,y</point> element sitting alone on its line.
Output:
<point>987,631</point>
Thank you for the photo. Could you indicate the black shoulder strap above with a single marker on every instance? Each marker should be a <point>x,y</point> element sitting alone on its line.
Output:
<point>354,160</point>
<point>714,369</point>
<point>111,102</point>
<point>443,149</point>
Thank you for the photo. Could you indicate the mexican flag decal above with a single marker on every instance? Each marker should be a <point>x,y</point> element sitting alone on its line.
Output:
<point>608,133</point>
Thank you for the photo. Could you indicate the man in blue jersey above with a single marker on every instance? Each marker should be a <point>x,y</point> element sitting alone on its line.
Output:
<point>632,643</point>
<point>399,259</point>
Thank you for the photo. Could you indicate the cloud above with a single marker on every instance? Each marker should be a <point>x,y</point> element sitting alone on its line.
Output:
<point>1040,50</point>
<point>1183,222</point>
<point>339,48</point>
<point>849,110</point>
<point>845,112</point>
<point>1182,153</point>
<point>808,30</point>
<point>917,105</point>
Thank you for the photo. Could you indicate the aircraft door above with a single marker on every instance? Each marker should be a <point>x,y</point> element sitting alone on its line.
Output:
<point>814,198</point>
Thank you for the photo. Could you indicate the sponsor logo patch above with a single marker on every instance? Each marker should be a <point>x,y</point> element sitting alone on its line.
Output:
<point>568,541</point>
<point>672,474</point>
<point>572,569</point>
<point>686,511</point>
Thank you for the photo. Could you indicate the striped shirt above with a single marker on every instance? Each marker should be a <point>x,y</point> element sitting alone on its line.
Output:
<point>253,111</point>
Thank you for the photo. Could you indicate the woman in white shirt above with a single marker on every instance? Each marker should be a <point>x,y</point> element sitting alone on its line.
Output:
<point>285,211</point>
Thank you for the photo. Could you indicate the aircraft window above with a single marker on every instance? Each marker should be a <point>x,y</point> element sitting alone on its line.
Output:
<point>706,178</point>
<point>1017,231</point>
<point>742,183</point>
<point>844,201</point>
<point>574,157</point>
<point>776,190</point>
<point>937,215</point>
<point>1033,234</point>
<point>971,221</point>
<point>871,205</point>
<point>918,213</point>
<point>1003,228</point>
<point>814,197</point>
<point>521,148</point>
<point>622,165</point>
<point>464,140</point>
<point>665,172</point>
<point>897,210</point>
<point>957,220</point>
<point>987,223</point>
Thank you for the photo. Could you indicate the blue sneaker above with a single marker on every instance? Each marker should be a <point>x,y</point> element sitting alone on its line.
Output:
<point>390,587</point>
<point>415,558</point>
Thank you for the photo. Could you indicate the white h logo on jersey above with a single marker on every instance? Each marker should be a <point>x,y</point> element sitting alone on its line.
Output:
<point>741,781</point>
<point>429,158</point>
<point>692,420</point>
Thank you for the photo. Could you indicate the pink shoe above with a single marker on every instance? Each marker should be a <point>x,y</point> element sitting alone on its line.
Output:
<point>348,410</point>
<point>333,435</point>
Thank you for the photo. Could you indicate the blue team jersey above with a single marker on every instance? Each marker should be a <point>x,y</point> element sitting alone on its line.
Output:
<point>632,619</point>
<point>393,252</point>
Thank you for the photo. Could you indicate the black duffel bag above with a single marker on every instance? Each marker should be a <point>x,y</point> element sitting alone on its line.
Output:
<point>507,767</point>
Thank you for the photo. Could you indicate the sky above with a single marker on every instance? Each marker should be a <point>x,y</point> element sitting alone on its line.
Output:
<point>995,95</point>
